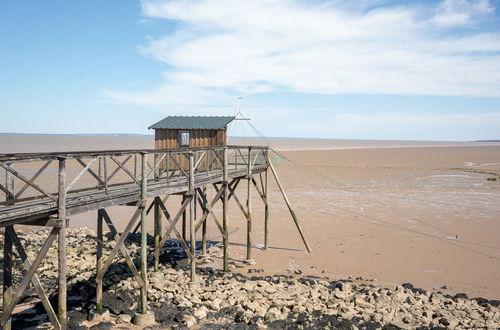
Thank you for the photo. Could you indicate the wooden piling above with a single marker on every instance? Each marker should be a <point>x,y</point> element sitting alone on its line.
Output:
<point>7,274</point>
<point>61,248</point>
<point>144,237</point>
<point>192,233</point>
<point>7,251</point>
<point>225,202</point>
<point>204,227</point>
<point>266,211</point>
<point>99,261</point>
<point>249,207</point>
<point>157,235</point>
<point>184,229</point>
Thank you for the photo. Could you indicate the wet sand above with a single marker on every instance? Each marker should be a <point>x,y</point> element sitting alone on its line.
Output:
<point>395,213</point>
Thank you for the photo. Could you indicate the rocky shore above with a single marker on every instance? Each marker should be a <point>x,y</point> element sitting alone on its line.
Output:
<point>234,300</point>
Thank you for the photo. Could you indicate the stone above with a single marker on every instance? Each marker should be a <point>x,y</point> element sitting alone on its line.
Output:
<point>144,319</point>
<point>201,312</point>
<point>94,316</point>
<point>216,303</point>
<point>123,318</point>
<point>249,285</point>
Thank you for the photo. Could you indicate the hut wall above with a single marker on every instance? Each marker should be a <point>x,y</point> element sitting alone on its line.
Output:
<point>169,139</point>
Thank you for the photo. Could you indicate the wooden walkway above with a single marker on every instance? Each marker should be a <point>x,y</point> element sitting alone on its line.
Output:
<point>46,189</point>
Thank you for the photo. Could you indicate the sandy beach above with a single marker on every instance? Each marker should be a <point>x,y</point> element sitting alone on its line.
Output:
<point>388,213</point>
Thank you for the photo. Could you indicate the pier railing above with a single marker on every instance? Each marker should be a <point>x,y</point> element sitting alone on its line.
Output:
<point>29,181</point>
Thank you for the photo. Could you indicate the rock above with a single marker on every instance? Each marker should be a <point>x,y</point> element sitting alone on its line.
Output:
<point>249,285</point>
<point>201,312</point>
<point>123,318</point>
<point>215,304</point>
<point>94,316</point>
<point>144,319</point>
<point>188,319</point>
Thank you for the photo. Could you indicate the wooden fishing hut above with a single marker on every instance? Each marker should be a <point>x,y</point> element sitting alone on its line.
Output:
<point>175,132</point>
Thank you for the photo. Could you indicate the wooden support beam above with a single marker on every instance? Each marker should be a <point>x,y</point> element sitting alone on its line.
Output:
<point>263,195</point>
<point>144,237</point>
<point>157,234</point>
<point>225,202</point>
<point>249,207</point>
<point>61,246</point>
<point>7,279</point>
<point>205,214</point>
<point>123,249</point>
<point>285,197</point>
<point>101,271</point>
<point>35,280</point>
<point>192,233</point>
<point>204,226</point>
<point>173,227</point>
<point>265,188</point>
<point>184,217</point>
<point>100,243</point>
<point>14,298</point>
<point>203,199</point>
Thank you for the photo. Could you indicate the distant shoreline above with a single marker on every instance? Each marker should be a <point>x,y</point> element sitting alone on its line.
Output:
<point>242,137</point>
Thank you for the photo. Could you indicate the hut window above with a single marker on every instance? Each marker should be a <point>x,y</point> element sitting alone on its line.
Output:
<point>184,139</point>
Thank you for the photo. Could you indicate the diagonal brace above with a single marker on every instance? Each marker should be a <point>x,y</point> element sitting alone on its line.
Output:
<point>7,311</point>
<point>123,250</point>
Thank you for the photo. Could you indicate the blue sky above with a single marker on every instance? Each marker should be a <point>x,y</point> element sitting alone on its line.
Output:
<point>370,69</point>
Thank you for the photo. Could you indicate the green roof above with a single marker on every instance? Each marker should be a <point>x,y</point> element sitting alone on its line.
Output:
<point>193,122</point>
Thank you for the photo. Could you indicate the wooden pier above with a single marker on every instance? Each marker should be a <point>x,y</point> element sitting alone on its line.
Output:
<point>46,189</point>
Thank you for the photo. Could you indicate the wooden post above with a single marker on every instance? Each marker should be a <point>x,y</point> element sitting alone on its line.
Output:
<point>7,251</point>
<point>62,269</point>
<point>225,203</point>
<point>289,206</point>
<point>192,233</point>
<point>157,234</point>
<point>204,226</point>
<point>7,274</point>
<point>9,185</point>
<point>144,242</point>
<point>266,211</point>
<point>249,207</point>
<point>184,234</point>
<point>99,262</point>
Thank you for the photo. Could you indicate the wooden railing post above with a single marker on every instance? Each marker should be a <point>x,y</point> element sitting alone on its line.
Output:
<point>144,237</point>
<point>225,202</point>
<point>9,185</point>
<point>192,232</point>
<point>266,204</point>
<point>157,219</point>
<point>249,207</point>
<point>62,266</point>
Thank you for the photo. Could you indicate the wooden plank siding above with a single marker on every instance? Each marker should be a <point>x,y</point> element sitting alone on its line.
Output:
<point>169,139</point>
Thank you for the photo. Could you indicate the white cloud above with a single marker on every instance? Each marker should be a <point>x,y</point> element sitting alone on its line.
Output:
<point>221,49</point>
<point>460,12</point>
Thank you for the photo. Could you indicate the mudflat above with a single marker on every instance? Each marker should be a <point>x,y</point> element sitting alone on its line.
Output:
<point>428,216</point>
<point>386,213</point>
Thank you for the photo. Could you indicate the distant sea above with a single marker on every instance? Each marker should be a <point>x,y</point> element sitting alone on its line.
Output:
<point>17,143</point>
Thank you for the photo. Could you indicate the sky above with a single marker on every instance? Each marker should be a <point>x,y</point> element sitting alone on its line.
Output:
<point>367,69</point>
